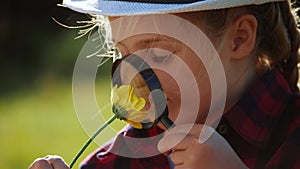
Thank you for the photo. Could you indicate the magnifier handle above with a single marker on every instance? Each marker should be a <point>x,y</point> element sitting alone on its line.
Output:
<point>167,122</point>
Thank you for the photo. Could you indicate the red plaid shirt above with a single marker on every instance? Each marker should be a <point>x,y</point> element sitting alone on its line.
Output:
<point>263,128</point>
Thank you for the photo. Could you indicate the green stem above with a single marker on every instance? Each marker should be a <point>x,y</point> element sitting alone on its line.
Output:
<point>91,139</point>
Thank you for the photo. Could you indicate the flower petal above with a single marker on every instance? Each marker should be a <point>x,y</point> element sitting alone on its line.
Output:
<point>128,105</point>
<point>137,116</point>
<point>114,95</point>
<point>134,124</point>
<point>123,93</point>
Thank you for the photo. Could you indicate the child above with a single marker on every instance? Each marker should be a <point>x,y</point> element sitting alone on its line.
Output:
<point>257,42</point>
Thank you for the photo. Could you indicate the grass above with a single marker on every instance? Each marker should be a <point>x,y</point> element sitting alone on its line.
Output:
<point>41,121</point>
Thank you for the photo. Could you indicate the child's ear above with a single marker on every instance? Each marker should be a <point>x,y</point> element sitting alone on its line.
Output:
<point>243,36</point>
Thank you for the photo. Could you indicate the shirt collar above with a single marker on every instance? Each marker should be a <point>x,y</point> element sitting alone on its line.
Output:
<point>258,112</point>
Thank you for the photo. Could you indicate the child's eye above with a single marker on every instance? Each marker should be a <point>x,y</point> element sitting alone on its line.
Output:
<point>160,55</point>
<point>162,58</point>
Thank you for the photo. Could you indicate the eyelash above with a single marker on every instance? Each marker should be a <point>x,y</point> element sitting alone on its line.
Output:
<point>157,58</point>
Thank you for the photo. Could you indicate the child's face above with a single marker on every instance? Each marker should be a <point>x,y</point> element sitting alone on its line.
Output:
<point>168,57</point>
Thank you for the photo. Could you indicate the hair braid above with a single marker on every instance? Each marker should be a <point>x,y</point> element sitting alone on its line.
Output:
<point>289,65</point>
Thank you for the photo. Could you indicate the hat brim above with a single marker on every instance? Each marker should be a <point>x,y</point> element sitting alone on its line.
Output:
<point>124,8</point>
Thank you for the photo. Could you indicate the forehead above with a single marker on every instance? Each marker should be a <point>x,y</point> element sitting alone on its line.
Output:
<point>185,15</point>
<point>124,27</point>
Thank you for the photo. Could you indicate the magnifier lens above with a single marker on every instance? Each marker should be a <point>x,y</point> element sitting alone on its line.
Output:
<point>145,86</point>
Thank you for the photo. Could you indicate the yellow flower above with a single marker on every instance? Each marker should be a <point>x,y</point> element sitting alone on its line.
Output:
<point>128,106</point>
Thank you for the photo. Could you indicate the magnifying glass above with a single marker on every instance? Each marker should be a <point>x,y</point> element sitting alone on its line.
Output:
<point>161,112</point>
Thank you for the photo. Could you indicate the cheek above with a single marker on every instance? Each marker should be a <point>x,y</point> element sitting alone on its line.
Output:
<point>172,89</point>
<point>174,100</point>
<point>172,92</point>
<point>204,87</point>
<point>205,99</point>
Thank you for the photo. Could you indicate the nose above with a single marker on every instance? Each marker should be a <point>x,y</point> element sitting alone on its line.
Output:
<point>142,79</point>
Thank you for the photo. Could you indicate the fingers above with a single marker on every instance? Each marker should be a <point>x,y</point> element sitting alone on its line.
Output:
<point>176,142</point>
<point>57,162</point>
<point>180,137</point>
<point>181,166</point>
<point>176,135</point>
<point>169,142</point>
<point>176,157</point>
<point>188,129</point>
<point>49,162</point>
<point>40,163</point>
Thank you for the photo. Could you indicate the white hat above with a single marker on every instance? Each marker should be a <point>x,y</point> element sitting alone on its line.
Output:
<point>139,7</point>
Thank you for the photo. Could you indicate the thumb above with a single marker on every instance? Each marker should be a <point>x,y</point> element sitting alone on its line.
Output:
<point>206,133</point>
<point>57,162</point>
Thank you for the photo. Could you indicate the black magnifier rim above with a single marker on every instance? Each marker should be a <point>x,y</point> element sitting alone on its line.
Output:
<point>151,80</point>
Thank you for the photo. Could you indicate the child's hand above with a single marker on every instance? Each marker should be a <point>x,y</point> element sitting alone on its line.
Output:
<point>215,153</point>
<point>49,162</point>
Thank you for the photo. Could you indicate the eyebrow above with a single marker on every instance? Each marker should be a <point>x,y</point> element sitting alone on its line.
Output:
<point>147,40</point>
<point>154,39</point>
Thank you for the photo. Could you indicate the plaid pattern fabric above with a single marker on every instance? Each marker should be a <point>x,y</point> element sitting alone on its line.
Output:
<point>263,128</point>
<point>105,159</point>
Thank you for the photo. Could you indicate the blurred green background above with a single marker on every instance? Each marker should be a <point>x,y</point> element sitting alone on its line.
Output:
<point>37,115</point>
